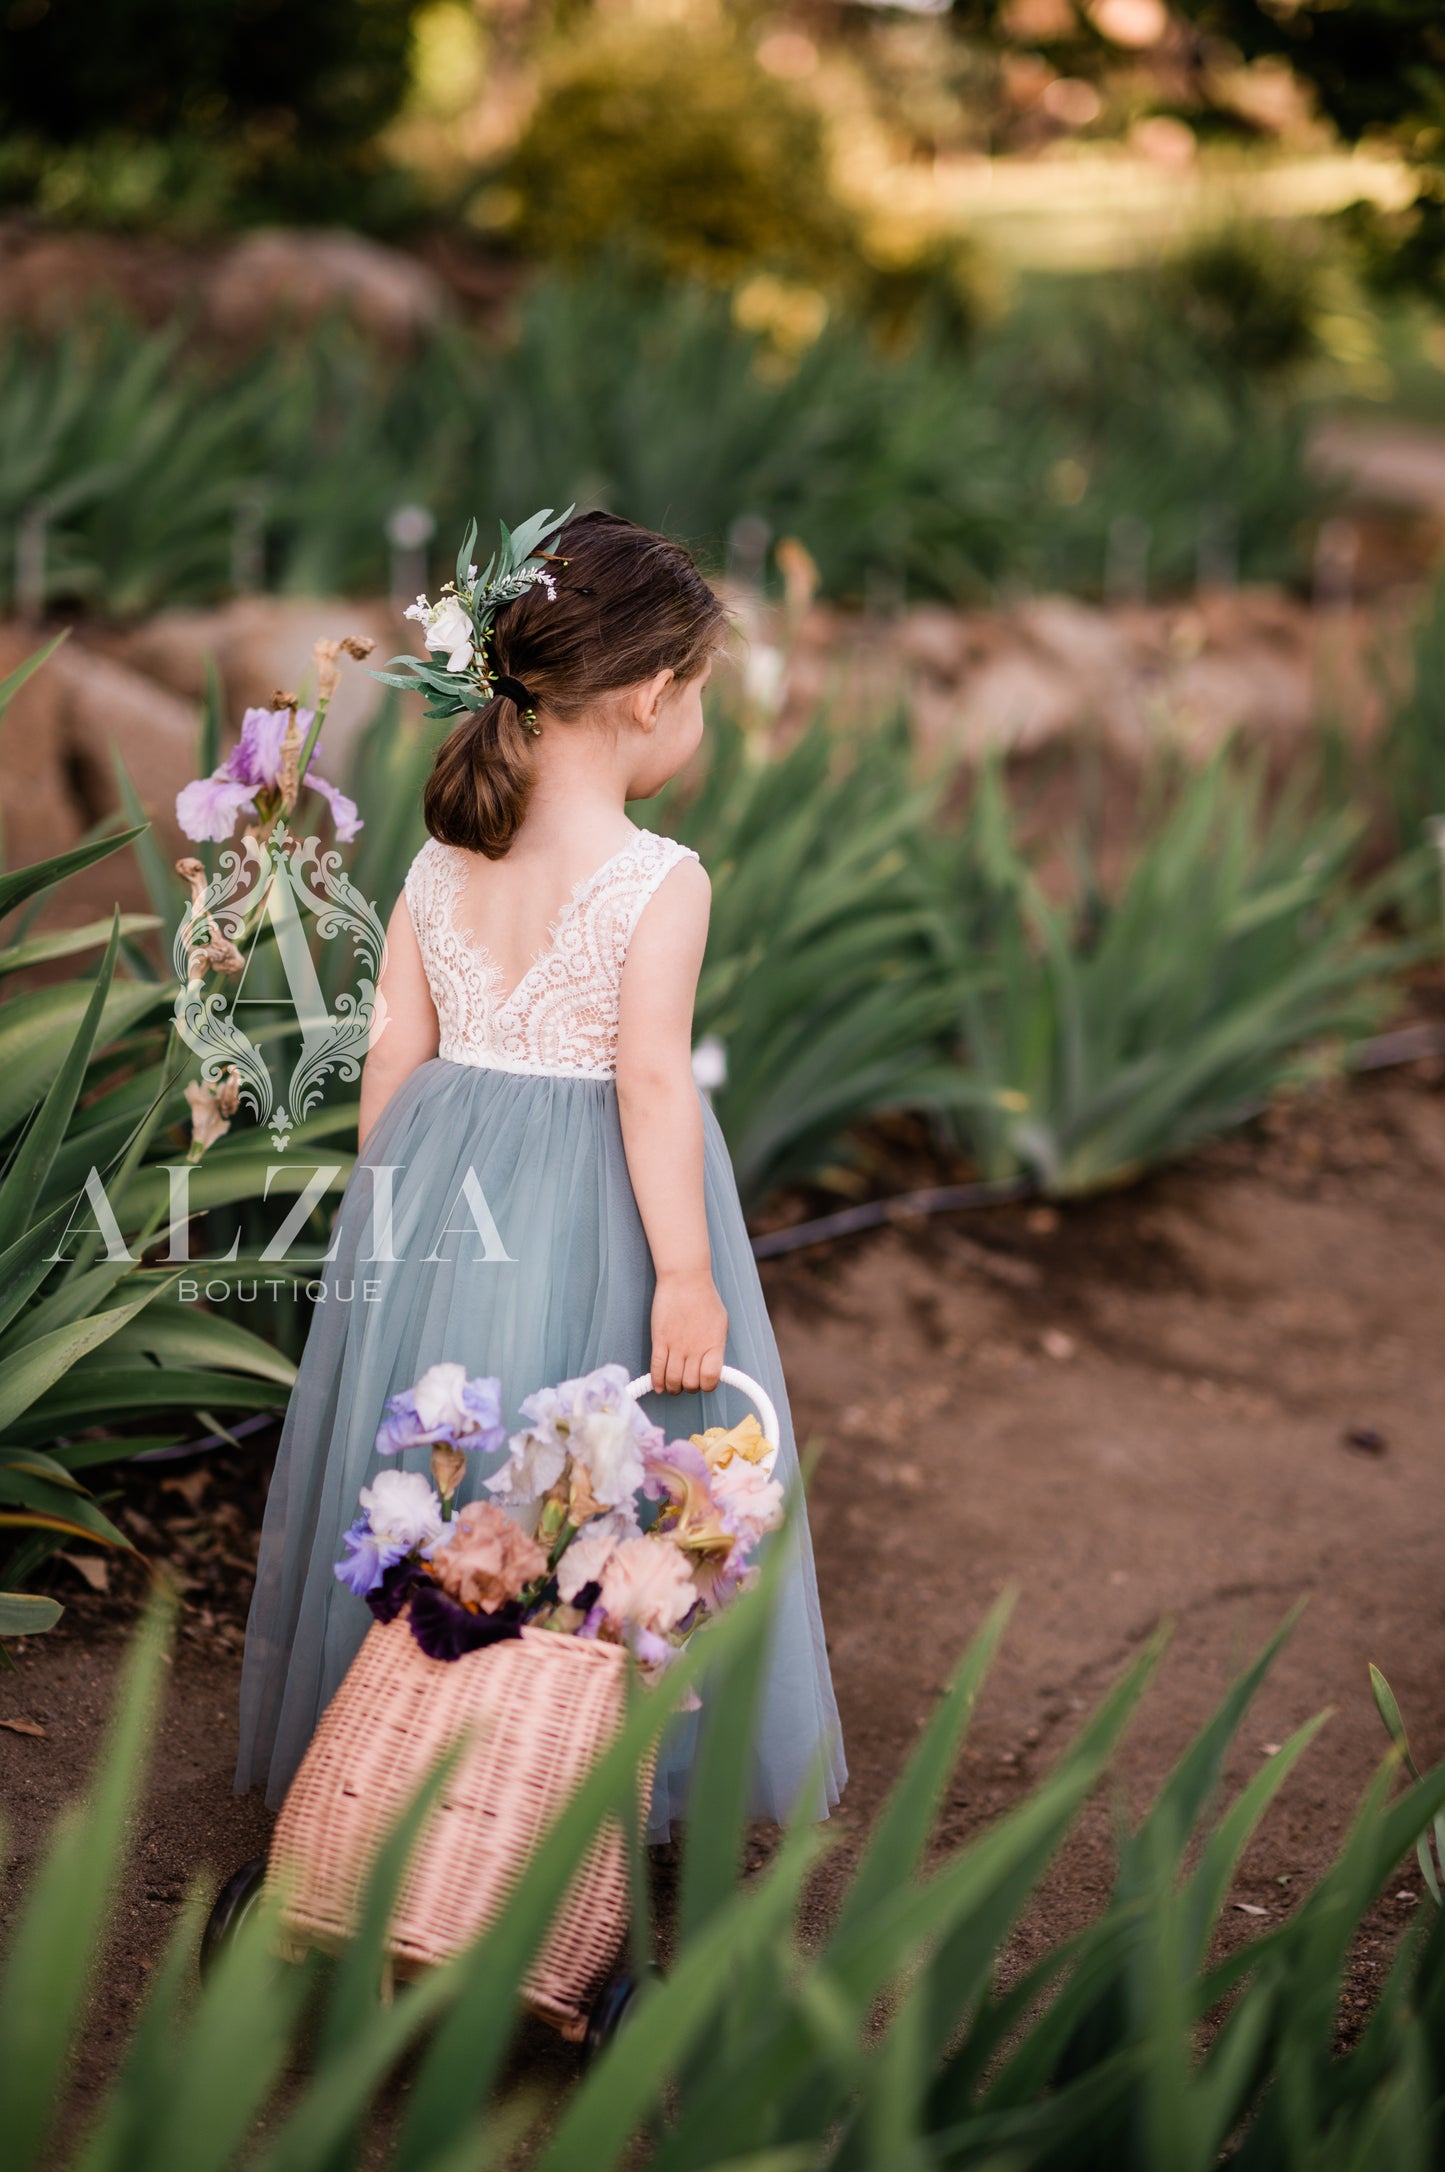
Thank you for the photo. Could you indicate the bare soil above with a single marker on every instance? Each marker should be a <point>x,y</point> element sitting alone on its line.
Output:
<point>1196,1401</point>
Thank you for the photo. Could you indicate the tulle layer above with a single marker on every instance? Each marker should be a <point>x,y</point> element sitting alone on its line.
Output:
<point>515,1246</point>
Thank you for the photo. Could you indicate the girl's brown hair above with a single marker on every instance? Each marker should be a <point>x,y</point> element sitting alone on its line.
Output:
<point>628,605</point>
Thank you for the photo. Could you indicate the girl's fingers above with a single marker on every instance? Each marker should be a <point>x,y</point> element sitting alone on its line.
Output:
<point>674,1372</point>
<point>691,1375</point>
<point>659,1369</point>
<point>710,1370</point>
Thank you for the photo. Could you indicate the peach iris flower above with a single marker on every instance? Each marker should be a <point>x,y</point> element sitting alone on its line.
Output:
<point>488,1559</point>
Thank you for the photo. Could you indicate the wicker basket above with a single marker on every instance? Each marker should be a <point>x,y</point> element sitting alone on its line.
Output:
<point>535,1712</point>
<point>539,1708</point>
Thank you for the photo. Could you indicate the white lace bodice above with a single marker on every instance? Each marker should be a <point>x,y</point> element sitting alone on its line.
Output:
<point>560,1020</point>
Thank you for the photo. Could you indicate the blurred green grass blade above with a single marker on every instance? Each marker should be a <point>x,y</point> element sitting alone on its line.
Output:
<point>68,942</point>
<point>123,2133</point>
<point>903,1924</point>
<point>233,2051</point>
<point>721,1776</point>
<point>163,885</point>
<point>24,882</point>
<point>1226,1843</point>
<point>624,2087</point>
<point>1193,1783</point>
<point>57,1935</point>
<point>356,1980</point>
<point>32,1162</point>
<point>32,1370</point>
<point>1219,2097</point>
<point>1029,2067</point>
<point>901,1833</point>
<point>12,683</point>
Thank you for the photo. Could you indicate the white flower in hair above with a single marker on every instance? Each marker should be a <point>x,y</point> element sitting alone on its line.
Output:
<point>448,627</point>
<point>460,625</point>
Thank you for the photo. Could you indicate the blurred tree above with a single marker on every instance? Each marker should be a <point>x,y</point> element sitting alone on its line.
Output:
<point>1376,66</point>
<point>335,70</point>
<point>1377,69</point>
<point>287,95</point>
<point>1250,299</point>
<point>684,156</point>
<point>678,150</point>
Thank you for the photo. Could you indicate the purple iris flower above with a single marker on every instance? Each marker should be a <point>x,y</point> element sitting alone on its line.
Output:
<point>445,1630</point>
<point>367,1558</point>
<point>444,1406</point>
<point>676,1455</point>
<point>209,807</point>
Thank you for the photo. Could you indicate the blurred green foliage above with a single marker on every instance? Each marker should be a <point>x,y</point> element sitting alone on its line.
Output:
<point>679,149</point>
<point>1233,959</point>
<point>685,157</point>
<point>1248,297</point>
<point>921,2022</point>
<point>201,112</point>
<point>137,469</point>
<point>1376,69</point>
<point>1409,762</point>
<point>96,1342</point>
<point>867,955</point>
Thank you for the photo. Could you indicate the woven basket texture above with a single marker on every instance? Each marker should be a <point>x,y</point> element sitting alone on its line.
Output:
<point>537,1711</point>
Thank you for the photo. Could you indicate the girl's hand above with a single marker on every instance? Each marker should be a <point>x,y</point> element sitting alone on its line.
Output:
<point>689,1332</point>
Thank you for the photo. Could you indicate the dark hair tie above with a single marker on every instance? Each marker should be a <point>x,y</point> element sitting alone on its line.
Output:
<point>512,690</point>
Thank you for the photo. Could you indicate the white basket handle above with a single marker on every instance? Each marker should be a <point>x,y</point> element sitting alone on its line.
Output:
<point>756,1394</point>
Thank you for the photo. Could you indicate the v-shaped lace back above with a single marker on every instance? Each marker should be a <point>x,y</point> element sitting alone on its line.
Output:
<point>561,1017</point>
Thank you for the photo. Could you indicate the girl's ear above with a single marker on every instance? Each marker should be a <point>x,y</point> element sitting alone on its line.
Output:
<point>648,697</point>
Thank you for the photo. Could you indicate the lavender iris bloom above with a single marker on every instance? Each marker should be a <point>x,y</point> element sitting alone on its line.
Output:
<point>209,807</point>
<point>367,1558</point>
<point>445,1407</point>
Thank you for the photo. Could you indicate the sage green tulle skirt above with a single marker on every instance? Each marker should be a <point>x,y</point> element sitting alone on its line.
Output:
<point>567,1286</point>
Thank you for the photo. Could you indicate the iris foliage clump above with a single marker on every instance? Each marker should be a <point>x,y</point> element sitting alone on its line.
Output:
<point>900,2035</point>
<point>136,472</point>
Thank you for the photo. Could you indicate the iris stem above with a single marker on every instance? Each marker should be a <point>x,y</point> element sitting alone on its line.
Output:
<point>564,1539</point>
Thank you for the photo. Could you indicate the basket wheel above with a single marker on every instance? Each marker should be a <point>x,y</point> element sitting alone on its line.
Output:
<point>237,1897</point>
<point>613,2004</point>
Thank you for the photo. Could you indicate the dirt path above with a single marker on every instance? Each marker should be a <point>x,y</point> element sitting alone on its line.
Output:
<point>1134,1410</point>
<point>1142,1410</point>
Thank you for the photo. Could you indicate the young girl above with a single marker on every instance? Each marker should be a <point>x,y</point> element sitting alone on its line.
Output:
<point>541,1188</point>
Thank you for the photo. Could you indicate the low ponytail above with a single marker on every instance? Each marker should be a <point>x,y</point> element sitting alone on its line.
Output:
<point>482,780</point>
<point>623,605</point>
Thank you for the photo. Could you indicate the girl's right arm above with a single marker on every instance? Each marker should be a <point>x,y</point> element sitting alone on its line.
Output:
<point>408,1035</point>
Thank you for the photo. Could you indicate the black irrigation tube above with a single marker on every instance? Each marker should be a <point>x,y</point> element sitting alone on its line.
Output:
<point>1408,1044</point>
<point>901,1207</point>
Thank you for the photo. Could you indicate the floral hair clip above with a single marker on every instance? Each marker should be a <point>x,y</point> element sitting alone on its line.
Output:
<point>458,628</point>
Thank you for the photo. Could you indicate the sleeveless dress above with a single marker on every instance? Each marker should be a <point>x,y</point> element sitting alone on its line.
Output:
<point>517,1249</point>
